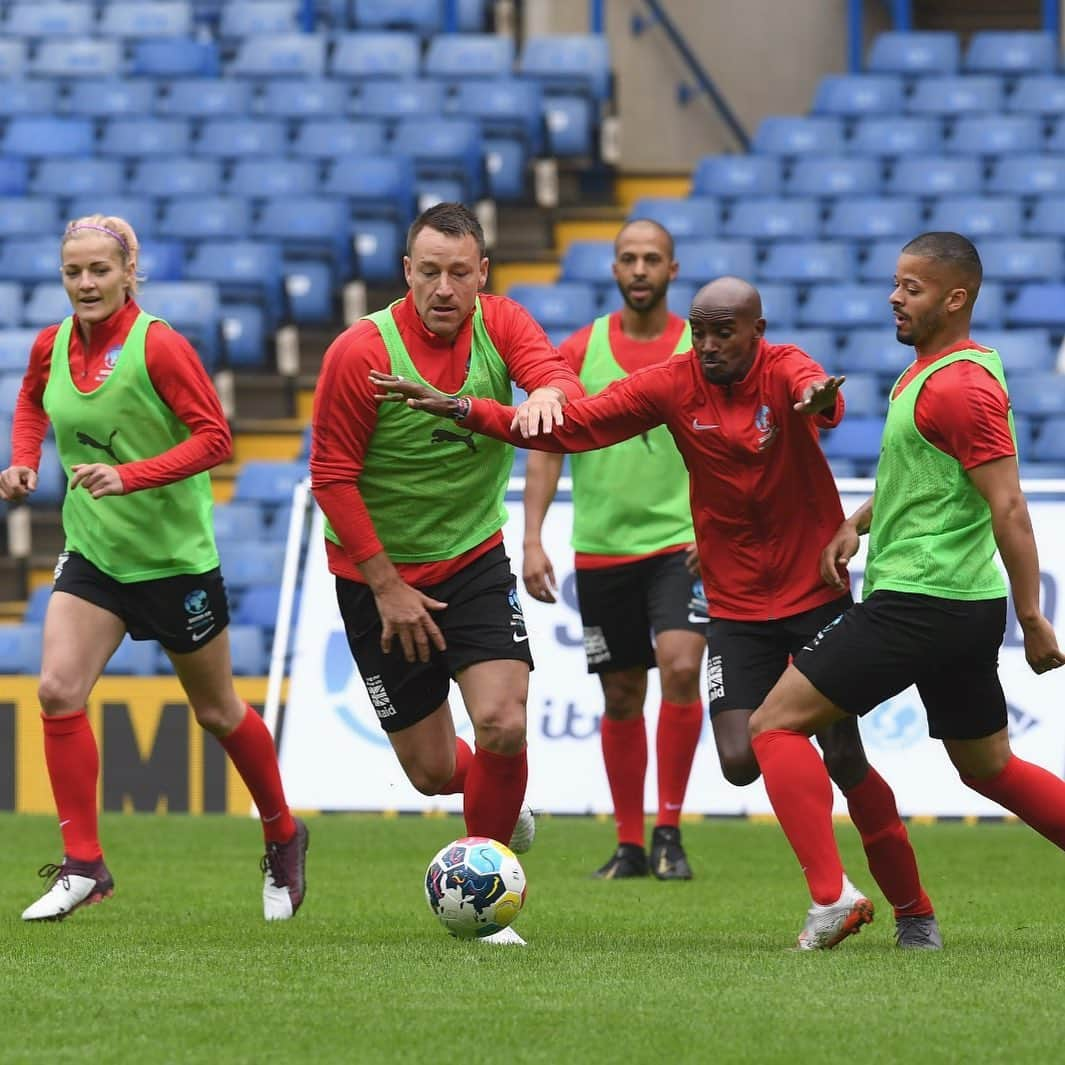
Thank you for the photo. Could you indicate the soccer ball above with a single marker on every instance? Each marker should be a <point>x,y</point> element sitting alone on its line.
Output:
<point>476,886</point>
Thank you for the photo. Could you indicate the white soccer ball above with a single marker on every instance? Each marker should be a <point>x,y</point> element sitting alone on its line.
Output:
<point>476,886</point>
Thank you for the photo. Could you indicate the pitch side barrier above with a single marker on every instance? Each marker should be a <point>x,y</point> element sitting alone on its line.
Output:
<point>334,755</point>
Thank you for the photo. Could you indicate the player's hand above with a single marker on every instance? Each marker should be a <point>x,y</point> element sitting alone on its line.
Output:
<point>691,559</point>
<point>837,555</point>
<point>405,613</point>
<point>98,479</point>
<point>539,575</point>
<point>541,412</point>
<point>1041,646</point>
<point>16,482</point>
<point>392,388</point>
<point>820,396</point>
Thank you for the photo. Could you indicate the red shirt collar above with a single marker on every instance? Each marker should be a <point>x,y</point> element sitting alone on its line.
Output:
<point>109,333</point>
<point>406,315</point>
<point>962,345</point>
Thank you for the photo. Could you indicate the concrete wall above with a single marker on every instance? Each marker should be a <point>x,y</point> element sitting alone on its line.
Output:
<point>766,57</point>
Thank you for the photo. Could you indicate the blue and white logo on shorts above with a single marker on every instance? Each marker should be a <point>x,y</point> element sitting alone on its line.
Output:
<point>196,601</point>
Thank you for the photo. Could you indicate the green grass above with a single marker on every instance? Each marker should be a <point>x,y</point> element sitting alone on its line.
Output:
<point>180,967</point>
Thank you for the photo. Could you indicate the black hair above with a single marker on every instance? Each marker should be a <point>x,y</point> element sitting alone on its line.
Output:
<point>451,219</point>
<point>957,252</point>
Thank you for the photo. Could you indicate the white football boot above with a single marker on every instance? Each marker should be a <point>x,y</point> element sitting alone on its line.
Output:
<point>524,833</point>
<point>828,925</point>
<point>73,884</point>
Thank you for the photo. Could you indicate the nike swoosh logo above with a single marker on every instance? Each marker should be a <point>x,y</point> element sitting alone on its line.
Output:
<point>196,636</point>
<point>697,619</point>
<point>519,639</point>
<point>696,424</point>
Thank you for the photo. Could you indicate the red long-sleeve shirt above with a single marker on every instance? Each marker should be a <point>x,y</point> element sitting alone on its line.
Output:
<point>763,497</point>
<point>345,415</point>
<point>177,374</point>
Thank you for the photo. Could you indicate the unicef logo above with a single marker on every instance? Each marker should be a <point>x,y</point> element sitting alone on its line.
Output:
<point>895,725</point>
<point>196,602</point>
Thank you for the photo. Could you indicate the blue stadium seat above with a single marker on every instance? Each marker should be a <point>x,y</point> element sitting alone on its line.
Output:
<point>373,185</point>
<point>1037,470</point>
<point>163,18</point>
<point>204,97</point>
<point>928,176</point>
<point>46,305</point>
<point>398,99</point>
<point>259,606</point>
<point>24,215</point>
<point>930,52</point>
<point>28,97</point>
<point>773,219</point>
<point>1055,142</point>
<point>14,176</point>
<point>205,218</point>
<point>110,98</point>
<point>308,227</point>
<point>136,138</point>
<point>1028,175</point>
<point>684,218</point>
<point>1049,445</point>
<point>51,479</point>
<point>445,148</point>
<point>1046,219</point>
<point>864,395</point>
<point>791,135</point>
<point>896,136</point>
<point>845,306</point>
<point>169,176</point>
<point>133,658</point>
<point>505,164</point>
<point>505,108</point>
<point>990,309</point>
<point>10,315</point>
<point>1038,304</point>
<point>834,175</point>
<point>245,270</point>
<point>1022,350</point>
<point>295,55</point>
<point>235,138</point>
<point>375,55</point>
<point>139,211</point>
<point>1011,52</point>
<point>268,483</point>
<point>854,438</point>
<point>873,218</point>
<point>568,62</point>
<point>20,648</point>
<point>48,20</point>
<point>47,137</point>
<point>1038,94</point>
<point>731,176</point>
<point>700,261</point>
<point>423,16</point>
<point>306,98</point>
<point>780,303</point>
<point>247,650</point>
<point>379,245</point>
<point>310,286</point>
<point>956,95</point>
<point>37,604</point>
<point>564,305</point>
<point>192,308</point>
<point>569,122</point>
<point>878,263</point>
<point>977,216</point>
<point>15,347</point>
<point>1037,393</point>
<point>858,94</point>
<point>1022,260</point>
<point>996,134</point>
<point>249,18</point>
<point>819,344</point>
<point>28,259</point>
<point>678,297</point>
<point>261,178</point>
<point>244,333</point>
<point>459,56</point>
<point>327,138</point>
<point>56,177</point>
<point>588,260</point>
<point>176,58</point>
<point>77,58</point>
<point>10,383</point>
<point>807,261</point>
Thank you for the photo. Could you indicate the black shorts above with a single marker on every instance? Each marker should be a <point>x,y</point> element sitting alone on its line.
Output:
<point>184,613</point>
<point>746,658</point>
<point>621,606</point>
<point>947,647</point>
<point>483,622</point>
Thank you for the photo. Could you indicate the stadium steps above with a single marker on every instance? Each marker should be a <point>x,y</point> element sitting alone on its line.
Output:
<point>627,190</point>
<point>223,481</point>
<point>503,275</point>
<point>566,232</point>
<point>271,439</point>
<point>11,611</point>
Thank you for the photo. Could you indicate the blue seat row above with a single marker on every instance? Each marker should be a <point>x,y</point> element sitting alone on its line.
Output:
<point>940,52</point>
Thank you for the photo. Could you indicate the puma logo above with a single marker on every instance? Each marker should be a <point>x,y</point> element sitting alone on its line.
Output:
<point>84,438</point>
<point>441,436</point>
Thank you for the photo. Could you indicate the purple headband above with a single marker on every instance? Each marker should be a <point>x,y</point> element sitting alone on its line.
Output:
<point>102,229</point>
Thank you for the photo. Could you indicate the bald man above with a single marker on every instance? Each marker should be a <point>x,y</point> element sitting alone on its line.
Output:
<point>632,557</point>
<point>744,414</point>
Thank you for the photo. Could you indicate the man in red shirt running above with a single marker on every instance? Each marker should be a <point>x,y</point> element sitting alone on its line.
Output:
<point>632,551</point>
<point>744,414</point>
<point>415,515</point>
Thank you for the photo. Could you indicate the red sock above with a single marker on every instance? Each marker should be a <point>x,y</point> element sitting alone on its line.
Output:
<point>887,845</point>
<point>801,794</point>
<point>494,792</point>
<point>625,758</point>
<point>73,762</point>
<point>679,728</point>
<point>463,761</point>
<point>1035,795</point>
<point>251,749</point>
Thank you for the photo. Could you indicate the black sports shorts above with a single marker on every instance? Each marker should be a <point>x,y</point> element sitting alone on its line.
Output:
<point>947,647</point>
<point>621,606</point>
<point>746,658</point>
<point>483,622</point>
<point>184,613</point>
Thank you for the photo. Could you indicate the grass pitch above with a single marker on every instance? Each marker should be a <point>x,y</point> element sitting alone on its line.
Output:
<point>180,967</point>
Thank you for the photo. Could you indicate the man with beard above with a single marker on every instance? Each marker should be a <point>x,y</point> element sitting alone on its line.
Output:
<point>632,555</point>
<point>744,414</point>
